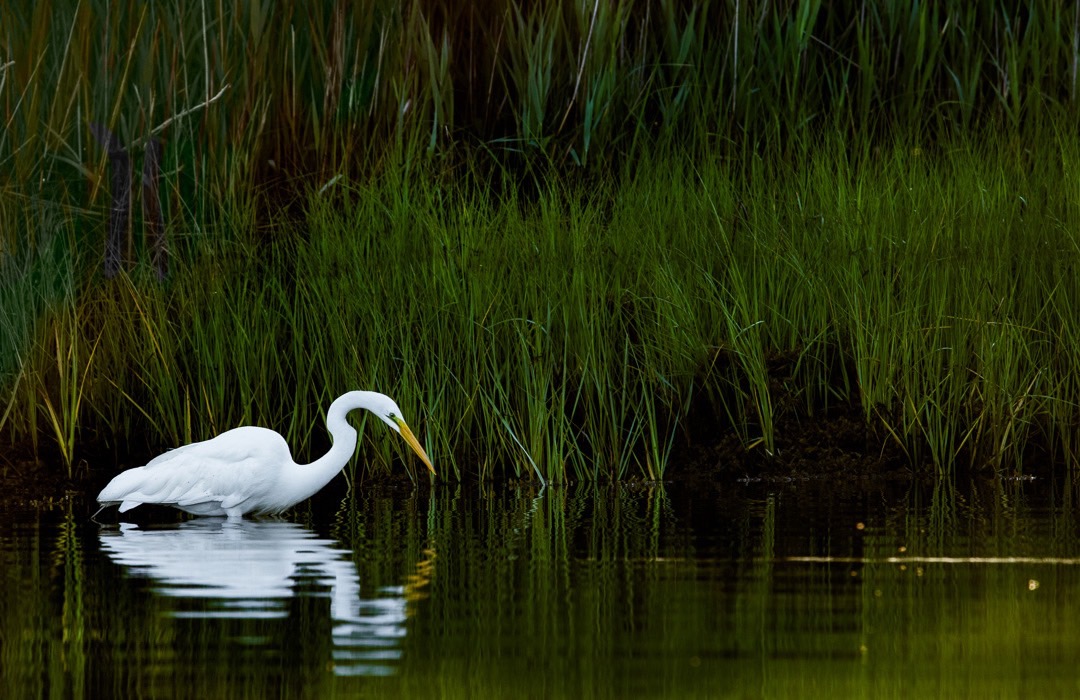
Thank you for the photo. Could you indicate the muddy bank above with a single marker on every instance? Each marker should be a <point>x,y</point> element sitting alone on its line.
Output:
<point>837,445</point>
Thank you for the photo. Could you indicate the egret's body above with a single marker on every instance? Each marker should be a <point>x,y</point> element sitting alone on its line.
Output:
<point>249,469</point>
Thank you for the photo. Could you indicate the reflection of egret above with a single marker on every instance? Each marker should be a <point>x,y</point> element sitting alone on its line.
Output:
<point>249,469</point>
<point>250,570</point>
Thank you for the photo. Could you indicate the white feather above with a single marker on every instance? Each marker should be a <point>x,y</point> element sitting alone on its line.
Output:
<point>249,469</point>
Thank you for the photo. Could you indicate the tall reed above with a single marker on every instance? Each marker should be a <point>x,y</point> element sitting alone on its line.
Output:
<point>289,93</point>
<point>551,230</point>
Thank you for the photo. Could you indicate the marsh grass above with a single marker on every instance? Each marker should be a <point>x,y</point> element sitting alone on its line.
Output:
<point>551,231</point>
<point>569,337</point>
<point>295,94</point>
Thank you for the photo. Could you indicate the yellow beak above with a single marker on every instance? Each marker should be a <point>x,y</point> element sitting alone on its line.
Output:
<point>415,444</point>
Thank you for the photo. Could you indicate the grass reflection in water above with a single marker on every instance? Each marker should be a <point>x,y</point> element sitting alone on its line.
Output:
<point>749,590</point>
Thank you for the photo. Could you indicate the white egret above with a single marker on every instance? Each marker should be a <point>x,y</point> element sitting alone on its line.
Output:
<point>249,469</point>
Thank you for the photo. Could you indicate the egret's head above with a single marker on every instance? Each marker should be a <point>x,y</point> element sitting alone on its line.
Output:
<point>388,411</point>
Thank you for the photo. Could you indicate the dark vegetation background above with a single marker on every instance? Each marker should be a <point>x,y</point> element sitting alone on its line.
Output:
<point>571,238</point>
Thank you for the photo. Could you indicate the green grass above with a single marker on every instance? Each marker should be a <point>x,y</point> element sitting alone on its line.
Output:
<point>552,233</point>
<point>299,94</point>
<point>571,336</point>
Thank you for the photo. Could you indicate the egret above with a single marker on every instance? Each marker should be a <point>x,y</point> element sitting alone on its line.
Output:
<point>250,469</point>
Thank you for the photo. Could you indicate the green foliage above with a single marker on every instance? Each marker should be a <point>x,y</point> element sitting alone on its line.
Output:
<point>547,229</point>
<point>298,92</point>
<point>568,337</point>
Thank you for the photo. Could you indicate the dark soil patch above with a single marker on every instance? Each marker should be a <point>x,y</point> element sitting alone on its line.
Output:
<point>833,445</point>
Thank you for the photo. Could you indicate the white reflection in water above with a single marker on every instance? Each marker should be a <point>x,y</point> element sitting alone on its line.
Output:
<point>249,570</point>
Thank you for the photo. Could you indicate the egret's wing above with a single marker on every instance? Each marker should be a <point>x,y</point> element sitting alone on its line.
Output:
<point>228,470</point>
<point>234,445</point>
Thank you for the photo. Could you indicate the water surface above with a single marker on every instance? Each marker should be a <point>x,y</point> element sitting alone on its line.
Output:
<point>720,590</point>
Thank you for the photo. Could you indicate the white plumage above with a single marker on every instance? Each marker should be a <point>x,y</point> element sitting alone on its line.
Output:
<point>250,469</point>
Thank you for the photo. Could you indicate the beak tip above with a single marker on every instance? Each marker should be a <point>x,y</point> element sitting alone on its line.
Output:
<point>415,444</point>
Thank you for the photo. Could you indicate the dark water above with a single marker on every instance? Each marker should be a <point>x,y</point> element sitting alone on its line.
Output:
<point>721,590</point>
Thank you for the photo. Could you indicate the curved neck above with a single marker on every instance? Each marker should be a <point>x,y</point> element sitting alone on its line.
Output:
<point>307,479</point>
